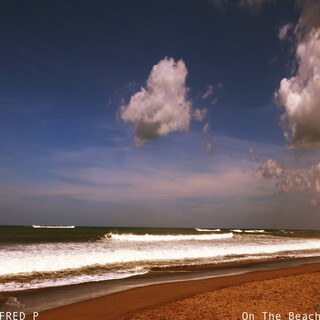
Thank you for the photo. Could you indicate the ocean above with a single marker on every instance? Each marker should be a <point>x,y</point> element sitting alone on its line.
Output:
<point>34,257</point>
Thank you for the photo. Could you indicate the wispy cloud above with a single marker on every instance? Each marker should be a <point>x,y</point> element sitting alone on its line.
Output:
<point>304,181</point>
<point>125,174</point>
<point>99,184</point>
<point>208,92</point>
<point>254,4</point>
<point>206,128</point>
<point>251,150</point>
<point>283,31</point>
<point>209,147</point>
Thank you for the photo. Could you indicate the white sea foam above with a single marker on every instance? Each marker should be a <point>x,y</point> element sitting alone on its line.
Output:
<point>118,255</point>
<point>57,282</point>
<point>57,257</point>
<point>52,227</point>
<point>152,237</point>
<point>207,230</point>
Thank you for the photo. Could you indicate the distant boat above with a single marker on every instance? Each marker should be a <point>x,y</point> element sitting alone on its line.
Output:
<point>52,227</point>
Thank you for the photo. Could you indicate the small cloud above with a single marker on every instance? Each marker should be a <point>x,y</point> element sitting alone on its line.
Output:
<point>313,203</point>
<point>200,114</point>
<point>294,183</point>
<point>250,150</point>
<point>218,4</point>
<point>206,128</point>
<point>208,93</point>
<point>219,85</point>
<point>304,181</point>
<point>254,5</point>
<point>209,147</point>
<point>131,86</point>
<point>272,168</point>
<point>109,102</point>
<point>283,31</point>
<point>213,102</point>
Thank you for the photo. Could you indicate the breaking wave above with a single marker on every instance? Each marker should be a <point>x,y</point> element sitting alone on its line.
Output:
<point>53,258</point>
<point>208,230</point>
<point>52,227</point>
<point>181,237</point>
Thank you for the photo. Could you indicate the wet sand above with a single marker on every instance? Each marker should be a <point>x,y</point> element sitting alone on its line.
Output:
<point>279,291</point>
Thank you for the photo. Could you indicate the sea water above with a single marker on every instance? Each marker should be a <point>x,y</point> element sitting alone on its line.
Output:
<point>34,257</point>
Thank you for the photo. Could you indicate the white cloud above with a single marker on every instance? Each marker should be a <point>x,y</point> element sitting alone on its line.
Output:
<point>208,93</point>
<point>162,107</point>
<point>209,147</point>
<point>272,168</point>
<point>214,101</point>
<point>250,150</point>
<point>206,128</point>
<point>294,183</point>
<point>283,31</point>
<point>107,185</point>
<point>199,115</point>
<point>304,181</point>
<point>300,94</point>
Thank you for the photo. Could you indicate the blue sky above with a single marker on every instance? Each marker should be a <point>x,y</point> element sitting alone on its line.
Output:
<point>79,145</point>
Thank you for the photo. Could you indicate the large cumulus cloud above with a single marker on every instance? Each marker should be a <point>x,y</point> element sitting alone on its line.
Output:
<point>300,94</point>
<point>162,107</point>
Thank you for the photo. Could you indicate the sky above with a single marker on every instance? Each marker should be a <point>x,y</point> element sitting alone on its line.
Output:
<point>172,113</point>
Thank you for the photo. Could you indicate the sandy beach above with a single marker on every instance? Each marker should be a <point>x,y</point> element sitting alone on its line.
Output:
<point>288,292</point>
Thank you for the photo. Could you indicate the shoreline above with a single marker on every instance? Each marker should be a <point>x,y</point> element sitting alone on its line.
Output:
<point>42,299</point>
<point>125,304</point>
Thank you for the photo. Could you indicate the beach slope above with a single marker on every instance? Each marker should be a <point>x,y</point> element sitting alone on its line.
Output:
<point>280,291</point>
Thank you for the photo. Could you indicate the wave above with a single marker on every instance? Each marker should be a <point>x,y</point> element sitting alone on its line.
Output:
<point>42,282</point>
<point>180,237</point>
<point>254,231</point>
<point>52,227</point>
<point>207,230</point>
<point>68,257</point>
<point>237,230</point>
